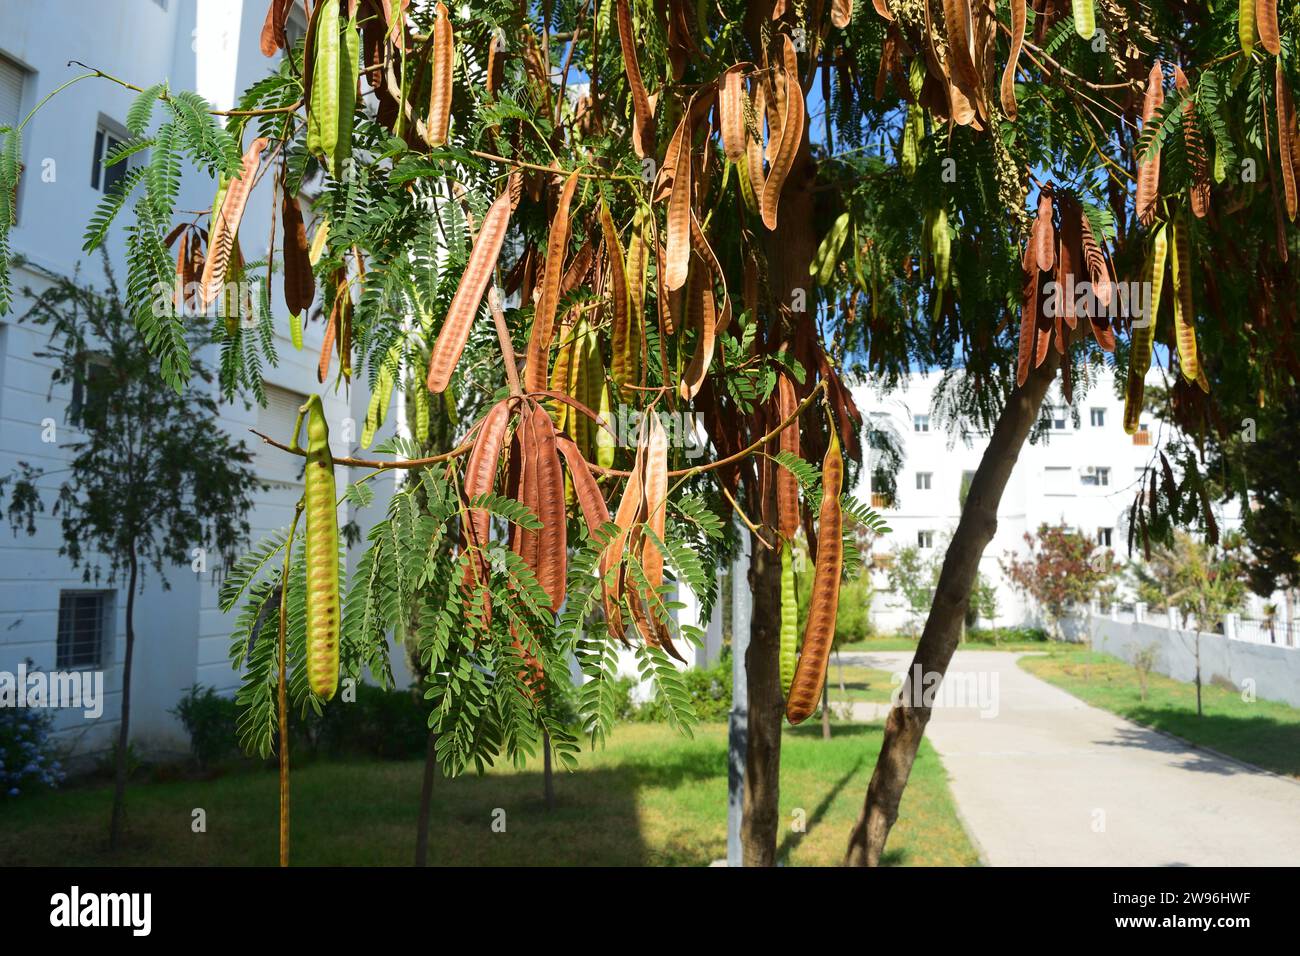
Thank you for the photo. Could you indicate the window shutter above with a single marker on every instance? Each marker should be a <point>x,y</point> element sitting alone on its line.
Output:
<point>11,92</point>
<point>277,420</point>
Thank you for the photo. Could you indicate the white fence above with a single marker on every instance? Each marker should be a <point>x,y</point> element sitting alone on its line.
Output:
<point>1269,671</point>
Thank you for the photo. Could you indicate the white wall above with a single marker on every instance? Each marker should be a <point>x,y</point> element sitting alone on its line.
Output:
<point>182,636</point>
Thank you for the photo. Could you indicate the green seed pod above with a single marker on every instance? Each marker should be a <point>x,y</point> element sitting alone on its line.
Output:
<point>789,617</point>
<point>323,612</point>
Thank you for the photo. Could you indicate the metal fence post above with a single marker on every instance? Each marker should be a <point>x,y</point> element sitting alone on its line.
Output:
<point>738,721</point>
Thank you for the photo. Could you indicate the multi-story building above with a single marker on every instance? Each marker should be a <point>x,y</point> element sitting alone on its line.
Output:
<point>1083,473</point>
<point>48,615</point>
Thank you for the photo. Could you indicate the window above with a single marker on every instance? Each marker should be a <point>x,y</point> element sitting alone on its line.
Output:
<point>1103,537</point>
<point>920,423</point>
<point>295,27</point>
<point>1097,417</point>
<point>278,418</point>
<point>1058,418</point>
<point>923,480</point>
<point>83,617</point>
<point>1094,475</point>
<point>13,80</point>
<point>1057,481</point>
<point>925,539</point>
<point>108,137</point>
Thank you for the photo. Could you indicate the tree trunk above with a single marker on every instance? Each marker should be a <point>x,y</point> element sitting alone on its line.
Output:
<point>758,825</point>
<point>979,521</point>
<point>123,733</point>
<point>426,802</point>
<point>548,776</point>
<point>826,710</point>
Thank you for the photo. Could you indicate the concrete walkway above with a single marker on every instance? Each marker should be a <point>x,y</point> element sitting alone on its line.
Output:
<point>1046,780</point>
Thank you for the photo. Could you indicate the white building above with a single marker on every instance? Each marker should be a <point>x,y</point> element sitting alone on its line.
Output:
<point>48,616</point>
<point>1084,475</point>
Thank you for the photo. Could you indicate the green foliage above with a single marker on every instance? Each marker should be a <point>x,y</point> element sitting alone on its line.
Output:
<point>707,689</point>
<point>1062,570</point>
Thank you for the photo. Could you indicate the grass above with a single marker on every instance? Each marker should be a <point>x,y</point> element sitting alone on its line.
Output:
<point>860,683</point>
<point>650,798</point>
<point>898,642</point>
<point>1263,733</point>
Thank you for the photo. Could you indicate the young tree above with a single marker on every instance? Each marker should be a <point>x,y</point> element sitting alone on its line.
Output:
<point>914,577</point>
<point>152,483</point>
<point>1063,570</point>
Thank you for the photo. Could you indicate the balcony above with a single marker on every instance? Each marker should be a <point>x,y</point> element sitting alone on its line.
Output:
<point>1142,438</point>
<point>880,501</point>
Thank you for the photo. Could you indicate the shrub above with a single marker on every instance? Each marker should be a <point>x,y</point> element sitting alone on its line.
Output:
<point>709,690</point>
<point>28,760</point>
<point>209,719</point>
<point>1007,635</point>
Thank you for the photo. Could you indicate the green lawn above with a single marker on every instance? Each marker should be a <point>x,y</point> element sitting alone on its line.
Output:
<point>650,798</point>
<point>1263,733</point>
<point>893,642</point>
<point>860,683</point>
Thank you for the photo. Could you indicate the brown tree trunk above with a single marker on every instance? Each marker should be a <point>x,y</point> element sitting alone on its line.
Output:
<point>790,249</point>
<point>758,826</point>
<point>123,733</point>
<point>979,521</point>
<point>426,802</point>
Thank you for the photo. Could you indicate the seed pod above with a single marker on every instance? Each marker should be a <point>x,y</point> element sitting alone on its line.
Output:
<point>273,37</point>
<point>623,360</point>
<point>819,630</point>
<point>469,294</point>
<point>319,498</point>
<point>222,235</point>
<point>754,149</point>
<point>678,241</point>
<point>792,122</point>
<point>702,311</point>
<point>1196,158</point>
<point>1007,89</point>
<point>548,483</point>
<point>377,410</point>
<point>323,99</point>
<point>562,371</point>
<point>1144,333</point>
<point>644,142</point>
<point>299,283</point>
<point>828,251</point>
<point>1085,18</point>
<point>444,53</point>
<point>480,475</point>
<point>789,618</point>
<point>1286,121</point>
<point>1044,234</point>
<point>611,559</point>
<point>1148,177</point>
<point>787,485</point>
<point>961,55</point>
<point>1246,26</point>
<point>841,13</point>
<point>349,75</point>
<point>1266,23</point>
<point>1184,317</point>
<point>539,343</point>
<point>731,111</point>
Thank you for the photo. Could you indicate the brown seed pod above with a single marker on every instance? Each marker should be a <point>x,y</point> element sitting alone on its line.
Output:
<point>702,312</point>
<point>539,343</point>
<point>594,510</point>
<point>1184,317</point>
<point>299,283</point>
<point>678,240</point>
<point>841,13</point>
<point>1286,121</point>
<point>480,475</point>
<point>1266,24</point>
<point>787,485</point>
<point>1148,176</point>
<point>224,230</point>
<point>792,122</point>
<point>469,294</point>
<point>1196,157</point>
<point>548,485</point>
<point>819,630</point>
<point>644,142</point>
<point>1044,233</point>
<point>882,8</point>
<point>731,111</point>
<point>623,363</point>
<point>1008,86</point>
<point>443,59</point>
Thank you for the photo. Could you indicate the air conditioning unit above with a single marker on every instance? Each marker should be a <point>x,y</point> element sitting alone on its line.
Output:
<point>1090,470</point>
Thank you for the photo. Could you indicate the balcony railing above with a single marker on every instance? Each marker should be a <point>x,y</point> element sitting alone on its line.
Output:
<point>879,500</point>
<point>1142,438</point>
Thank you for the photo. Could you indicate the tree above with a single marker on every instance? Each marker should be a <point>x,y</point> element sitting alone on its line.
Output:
<point>1062,570</point>
<point>885,228</point>
<point>152,482</point>
<point>914,577</point>
<point>1203,582</point>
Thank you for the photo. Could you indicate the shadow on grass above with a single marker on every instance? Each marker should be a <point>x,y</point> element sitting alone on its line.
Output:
<point>1271,744</point>
<point>792,840</point>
